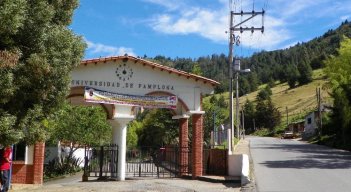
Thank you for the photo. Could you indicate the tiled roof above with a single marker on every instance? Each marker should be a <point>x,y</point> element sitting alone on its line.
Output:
<point>153,65</point>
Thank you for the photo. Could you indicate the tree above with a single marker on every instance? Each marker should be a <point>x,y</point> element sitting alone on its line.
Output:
<point>273,116</point>
<point>338,69</point>
<point>267,115</point>
<point>215,108</point>
<point>305,71</point>
<point>265,93</point>
<point>249,115</point>
<point>292,76</point>
<point>196,70</point>
<point>39,50</point>
<point>77,126</point>
<point>132,134</point>
<point>158,128</point>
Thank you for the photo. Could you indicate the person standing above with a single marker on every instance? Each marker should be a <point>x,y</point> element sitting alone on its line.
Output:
<point>5,166</point>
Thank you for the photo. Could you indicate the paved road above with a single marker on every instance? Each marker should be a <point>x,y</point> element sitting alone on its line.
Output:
<point>288,165</point>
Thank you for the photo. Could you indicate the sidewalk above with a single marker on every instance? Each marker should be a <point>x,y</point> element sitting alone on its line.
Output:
<point>243,147</point>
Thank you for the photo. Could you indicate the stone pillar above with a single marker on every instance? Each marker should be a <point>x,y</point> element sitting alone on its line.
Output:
<point>197,145</point>
<point>38,163</point>
<point>183,146</point>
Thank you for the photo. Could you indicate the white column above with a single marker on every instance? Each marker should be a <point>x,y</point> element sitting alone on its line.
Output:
<point>119,136</point>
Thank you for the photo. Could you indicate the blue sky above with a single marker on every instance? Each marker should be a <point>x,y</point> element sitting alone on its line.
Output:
<point>194,28</point>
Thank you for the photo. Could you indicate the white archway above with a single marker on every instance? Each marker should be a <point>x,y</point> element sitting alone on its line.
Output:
<point>134,76</point>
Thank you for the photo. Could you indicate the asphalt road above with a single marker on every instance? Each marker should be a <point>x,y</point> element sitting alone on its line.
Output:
<point>288,165</point>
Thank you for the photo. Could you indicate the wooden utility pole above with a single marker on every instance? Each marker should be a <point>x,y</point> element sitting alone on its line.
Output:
<point>319,107</point>
<point>287,117</point>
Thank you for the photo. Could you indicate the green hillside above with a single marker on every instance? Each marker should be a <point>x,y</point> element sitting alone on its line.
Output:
<point>300,100</point>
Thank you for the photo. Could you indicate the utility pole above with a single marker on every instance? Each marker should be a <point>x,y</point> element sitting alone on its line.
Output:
<point>319,105</point>
<point>254,124</point>
<point>243,123</point>
<point>232,40</point>
<point>287,118</point>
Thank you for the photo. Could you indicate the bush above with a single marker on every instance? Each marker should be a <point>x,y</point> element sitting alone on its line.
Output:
<point>62,166</point>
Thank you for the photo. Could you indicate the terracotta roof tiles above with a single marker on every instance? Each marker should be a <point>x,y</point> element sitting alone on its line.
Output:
<point>153,65</point>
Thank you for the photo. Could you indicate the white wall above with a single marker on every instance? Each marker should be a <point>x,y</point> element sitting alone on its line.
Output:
<point>144,79</point>
<point>310,128</point>
<point>53,152</point>
<point>28,160</point>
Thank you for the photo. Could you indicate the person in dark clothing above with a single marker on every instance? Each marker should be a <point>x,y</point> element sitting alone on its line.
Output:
<point>5,166</point>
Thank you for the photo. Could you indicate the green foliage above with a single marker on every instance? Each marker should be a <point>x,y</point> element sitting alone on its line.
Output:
<point>76,126</point>
<point>35,84</point>
<point>264,94</point>
<point>132,134</point>
<point>61,166</point>
<point>292,76</point>
<point>81,125</point>
<point>305,71</point>
<point>216,114</point>
<point>338,69</point>
<point>249,115</point>
<point>267,115</point>
<point>196,70</point>
<point>8,135</point>
<point>158,128</point>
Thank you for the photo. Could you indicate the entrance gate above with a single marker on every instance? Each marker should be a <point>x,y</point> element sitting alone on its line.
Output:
<point>101,161</point>
<point>151,162</point>
<point>173,162</point>
<point>163,162</point>
<point>126,81</point>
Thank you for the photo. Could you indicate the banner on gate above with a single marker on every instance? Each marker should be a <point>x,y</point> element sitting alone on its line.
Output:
<point>98,96</point>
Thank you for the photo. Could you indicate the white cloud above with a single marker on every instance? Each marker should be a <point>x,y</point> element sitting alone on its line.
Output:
<point>344,17</point>
<point>212,24</point>
<point>107,50</point>
<point>169,4</point>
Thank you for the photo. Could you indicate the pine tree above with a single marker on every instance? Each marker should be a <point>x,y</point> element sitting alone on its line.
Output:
<point>305,72</point>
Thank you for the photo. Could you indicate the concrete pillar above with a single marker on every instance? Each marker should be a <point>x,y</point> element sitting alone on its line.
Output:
<point>119,137</point>
<point>122,117</point>
<point>197,145</point>
<point>183,146</point>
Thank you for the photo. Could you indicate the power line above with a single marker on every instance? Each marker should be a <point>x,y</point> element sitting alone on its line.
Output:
<point>232,40</point>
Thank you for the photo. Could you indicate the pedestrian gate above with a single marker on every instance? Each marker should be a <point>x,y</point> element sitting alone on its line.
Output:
<point>101,161</point>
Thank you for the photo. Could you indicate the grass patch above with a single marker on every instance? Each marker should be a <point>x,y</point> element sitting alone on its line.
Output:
<point>298,101</point>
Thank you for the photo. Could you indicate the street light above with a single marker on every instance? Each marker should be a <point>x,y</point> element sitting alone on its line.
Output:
<point>237,71</point>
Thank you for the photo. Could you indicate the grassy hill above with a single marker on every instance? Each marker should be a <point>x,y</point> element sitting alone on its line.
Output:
<point>299,101</point>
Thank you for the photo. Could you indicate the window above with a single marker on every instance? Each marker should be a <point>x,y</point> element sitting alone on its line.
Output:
<point>19,151</point>
<point>309,120</point>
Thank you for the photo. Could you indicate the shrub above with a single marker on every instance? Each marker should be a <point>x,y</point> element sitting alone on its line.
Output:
<point>62,166</point>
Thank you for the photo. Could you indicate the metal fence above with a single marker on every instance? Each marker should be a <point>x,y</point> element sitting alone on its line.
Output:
<point>101,161</point>
<point>176,159</point>
<point>168,161</point>
<point>146,162</point>
<point>219,137</point>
